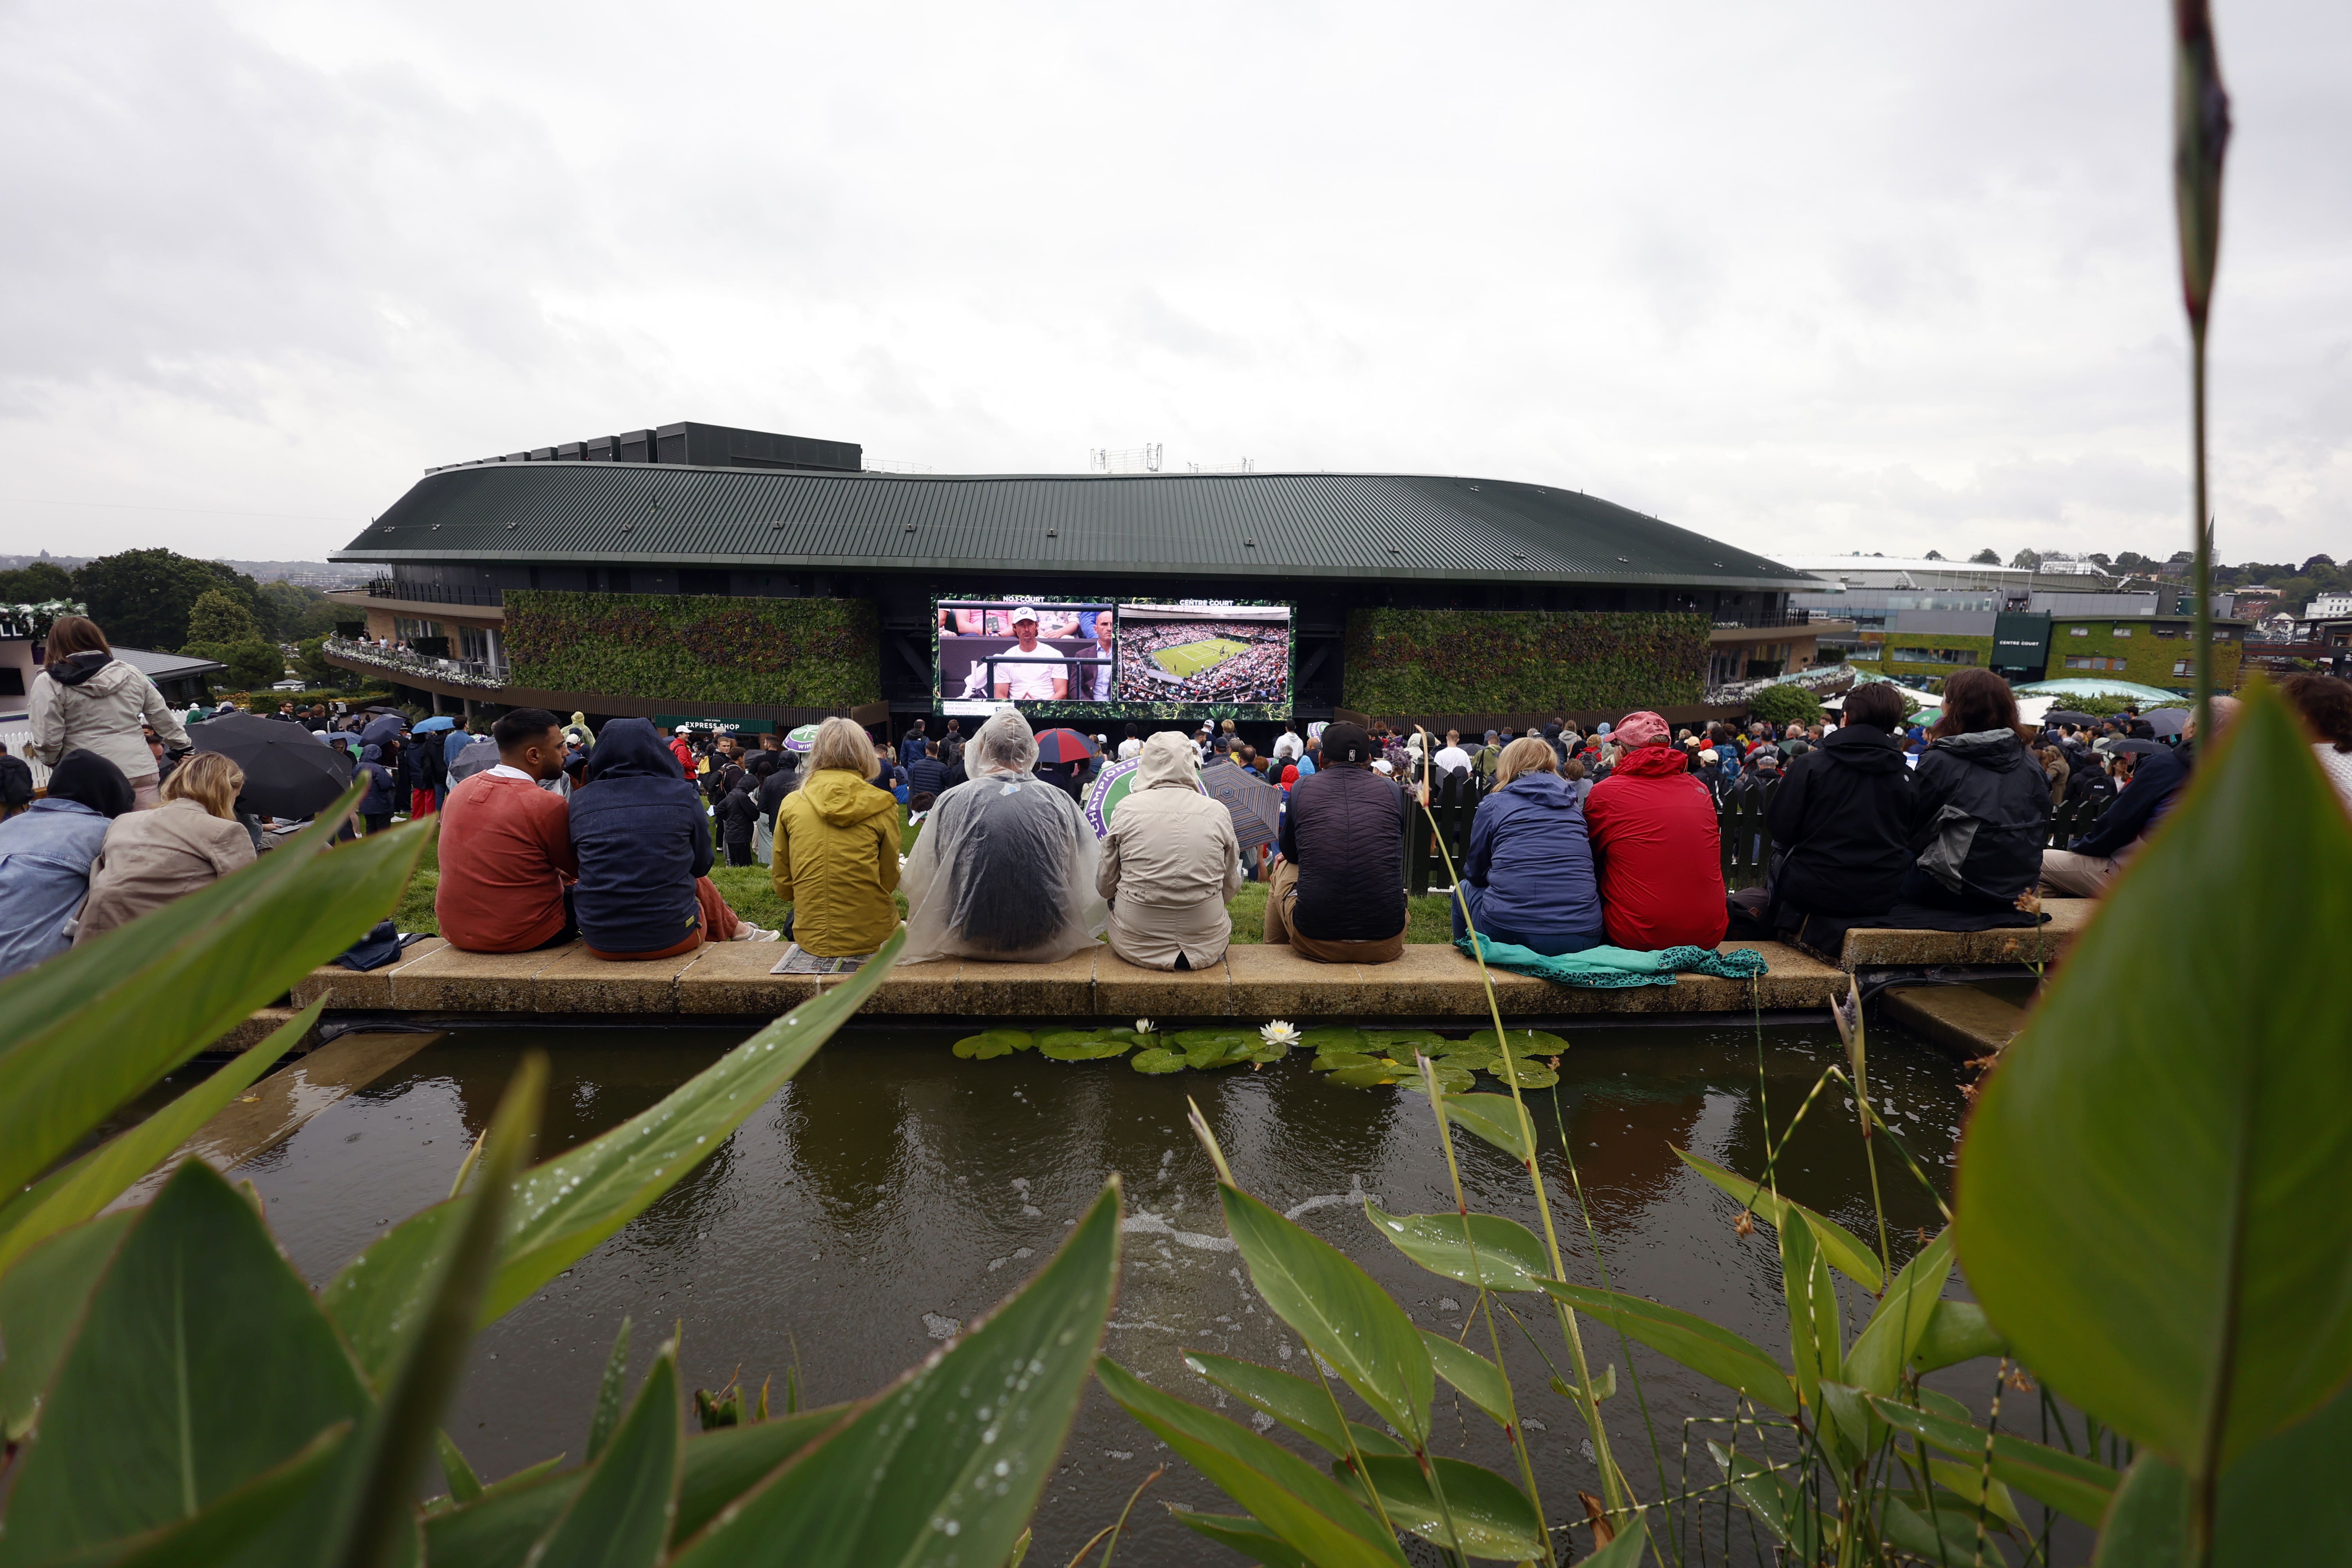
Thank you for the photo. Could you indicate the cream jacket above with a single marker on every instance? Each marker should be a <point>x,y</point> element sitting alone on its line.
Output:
<point>152,858</point>
<point>102,714</point>
<point>1170,864</point>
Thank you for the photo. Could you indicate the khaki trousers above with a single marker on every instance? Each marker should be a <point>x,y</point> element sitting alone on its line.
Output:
<point>1281,892</point>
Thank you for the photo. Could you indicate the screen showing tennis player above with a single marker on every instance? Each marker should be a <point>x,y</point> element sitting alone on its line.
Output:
<point>1039,649</point>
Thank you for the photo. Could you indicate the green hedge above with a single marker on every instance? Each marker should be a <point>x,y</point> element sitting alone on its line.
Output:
<point>1521,661</point>
<point>794,653</point>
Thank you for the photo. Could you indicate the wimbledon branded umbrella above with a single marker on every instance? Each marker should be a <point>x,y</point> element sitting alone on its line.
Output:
<point>802,742</point>
<point>287,772</point>
<point>1109,788</point>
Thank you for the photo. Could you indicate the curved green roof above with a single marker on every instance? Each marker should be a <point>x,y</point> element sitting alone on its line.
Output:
<point>1314,525</point>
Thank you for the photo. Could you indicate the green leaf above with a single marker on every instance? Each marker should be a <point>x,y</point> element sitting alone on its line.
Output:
<point>1338,1309</point>
<point>1815,1328</point>
<point>1624,1551</point>
<point>1957,1331</point>
<point>1326,1037</point>
<point>41,1302</point>
<point>1976,1487</point>
<point>1518,1042</point>
<point>992,1043</point>
<point>429,1350</point>
<point>1157,1060</point>
<point>1785,1510</point>
<point>1951,1537</point>
<point>1402,1043</point>
<point>1485,1249</point>
<point>167,1401</point>
<point>465,1486</point>
<point>1896,1328</point>
<point>228,1526</point>
<point>721,1466</point>
<point>956,1451</point>
<point>1304,1407</point>
<point>2079,1489</point>
<point>1491,1517</point>
<point>1711,1352</point>
<point>2147,1525</point>
<point>1240,1533</point>
<point>609,1395</point>
<point>79,1191</point>
<point>1493,1116</point>
<point>1306,1510</point>
<point>1603,1388</point>
<point>1844,1249</point>
<point>1378,1075</point>
<point>564,1209</point>
<point>85,1033</point>
<point>1332,1061</point>
<point>1475,1377</point>
<point>2150,1189</point>
<point>1528,1074</point>
<point>1082,1048</point>
<point>620,1517</point>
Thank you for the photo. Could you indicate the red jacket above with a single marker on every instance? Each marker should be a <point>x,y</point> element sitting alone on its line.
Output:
<point>1659,853</point>
<point>683,749</point>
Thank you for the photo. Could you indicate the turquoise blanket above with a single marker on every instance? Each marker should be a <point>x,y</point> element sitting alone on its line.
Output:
<point>1600,968</point>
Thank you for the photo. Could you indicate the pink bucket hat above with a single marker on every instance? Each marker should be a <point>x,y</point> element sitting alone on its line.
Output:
<point>1644,729</point>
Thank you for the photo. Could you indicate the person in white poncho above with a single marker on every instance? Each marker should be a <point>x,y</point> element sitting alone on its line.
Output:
<point>1005,868</point>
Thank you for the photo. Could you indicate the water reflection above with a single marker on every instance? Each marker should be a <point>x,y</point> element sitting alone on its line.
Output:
<point>892,1193</point>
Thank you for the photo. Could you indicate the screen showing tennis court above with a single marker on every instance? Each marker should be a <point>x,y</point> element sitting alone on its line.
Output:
<point>1144,657</point>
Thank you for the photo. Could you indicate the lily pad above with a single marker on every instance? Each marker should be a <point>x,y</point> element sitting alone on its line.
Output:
<point>1532,1075</point>
<point>1522,1042</point>
<point>1404,1042</point>
<point>1267,1055</point>
<point>993,1043</point>
<point>1326,1037</point>
<point>1331,1061</point>
<point>1157,1060</point>
<point>1366,1077</point>
<point>1047,1045</point>
<point>1084,1048</point>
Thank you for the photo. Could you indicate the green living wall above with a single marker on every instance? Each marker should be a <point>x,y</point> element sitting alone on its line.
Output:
<point>1521,661</point>
<point>797,652</point>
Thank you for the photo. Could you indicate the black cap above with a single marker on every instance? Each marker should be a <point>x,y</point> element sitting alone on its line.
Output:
<point>1346,742</point>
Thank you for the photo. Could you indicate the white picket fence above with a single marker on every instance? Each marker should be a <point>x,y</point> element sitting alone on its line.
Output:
<point>20,744</point>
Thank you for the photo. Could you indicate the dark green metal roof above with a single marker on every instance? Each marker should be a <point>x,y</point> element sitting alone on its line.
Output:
<point>1319,526</point>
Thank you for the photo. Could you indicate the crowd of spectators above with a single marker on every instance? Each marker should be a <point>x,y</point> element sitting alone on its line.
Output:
<point>1257,673</point>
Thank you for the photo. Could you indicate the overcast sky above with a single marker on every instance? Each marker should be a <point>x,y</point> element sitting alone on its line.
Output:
<point>1805,276</point>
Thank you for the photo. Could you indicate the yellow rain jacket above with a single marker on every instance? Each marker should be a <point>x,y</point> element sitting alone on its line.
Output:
<point>837,860</point>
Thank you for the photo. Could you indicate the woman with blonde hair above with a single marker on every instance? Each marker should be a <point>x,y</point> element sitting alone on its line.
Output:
<point>190,840</point>
<point>85,699</point>
<point>835,859</point>
<point>1528,880</point>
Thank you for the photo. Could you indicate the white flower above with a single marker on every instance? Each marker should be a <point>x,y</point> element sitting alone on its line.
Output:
<point>1145,1025</point>
<point>1279,1033</point>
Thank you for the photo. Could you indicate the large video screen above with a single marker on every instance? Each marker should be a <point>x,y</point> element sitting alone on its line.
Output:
<point>1108,658</point>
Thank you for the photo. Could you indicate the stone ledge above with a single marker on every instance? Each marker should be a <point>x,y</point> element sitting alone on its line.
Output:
<point>2047,944</point>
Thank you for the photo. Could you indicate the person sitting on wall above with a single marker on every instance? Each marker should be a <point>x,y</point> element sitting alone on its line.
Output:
<point>506,862</point>
<point>1840,822</point>
<point>2085,868</point>
<point>45,851</point>
<point>188,842</point>
<point>1656,844</point>
<point>1528,878</point>
<point>1170,864</point>
<point>1983,812</point>
<point>1006,866</point>
<point>1336,896</point>
<point>643,843</point>
<point>836,853</point>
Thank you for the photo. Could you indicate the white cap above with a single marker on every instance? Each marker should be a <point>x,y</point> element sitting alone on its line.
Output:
<point>1026,613</point>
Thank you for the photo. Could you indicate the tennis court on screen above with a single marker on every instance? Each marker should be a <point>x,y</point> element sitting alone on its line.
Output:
<point>1187,659</point>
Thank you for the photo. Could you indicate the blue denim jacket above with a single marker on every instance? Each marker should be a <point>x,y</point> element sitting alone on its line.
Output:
<point>46,852</point>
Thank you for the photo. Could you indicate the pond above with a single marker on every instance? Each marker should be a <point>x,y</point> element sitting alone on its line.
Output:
<point>893,1192</point>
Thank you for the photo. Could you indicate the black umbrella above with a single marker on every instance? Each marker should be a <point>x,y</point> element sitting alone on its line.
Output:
<point>2167,721</point>
<point>1255,805</point>
<point>2068,716</point>
<point>287,772</point>
<point>379,731</point>
<point>2141,746</point>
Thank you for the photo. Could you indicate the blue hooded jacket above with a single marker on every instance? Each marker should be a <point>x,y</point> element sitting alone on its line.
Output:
<point>380,799</point>
<point>1530,858</point>
<point>642,837</point>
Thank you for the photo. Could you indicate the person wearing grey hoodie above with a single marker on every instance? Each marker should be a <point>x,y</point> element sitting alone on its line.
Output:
<point>85,699</point>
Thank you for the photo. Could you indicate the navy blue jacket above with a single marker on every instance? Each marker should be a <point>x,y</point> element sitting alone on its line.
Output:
<point>926,775</point>
<point>383,797</point>
<point>642,837</point>
<point>1528,852</point>
<point>2155,784</point>
<point>1344,832</point>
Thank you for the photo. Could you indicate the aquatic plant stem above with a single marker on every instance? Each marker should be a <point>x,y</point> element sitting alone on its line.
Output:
<point>1613,1482</point>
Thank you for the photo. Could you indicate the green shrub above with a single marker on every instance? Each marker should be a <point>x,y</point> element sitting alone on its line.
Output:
<point>216,617</point>
<point>1521,661</point>
<point>251,664</point>
<point>806,653</point>
<point>1785,704</point>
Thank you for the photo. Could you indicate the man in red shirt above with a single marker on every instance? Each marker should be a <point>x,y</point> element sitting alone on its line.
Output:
<point>506,862</point>
<point>1656,845</point>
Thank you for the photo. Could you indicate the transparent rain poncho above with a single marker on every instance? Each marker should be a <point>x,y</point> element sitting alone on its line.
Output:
<point>1005,868</point>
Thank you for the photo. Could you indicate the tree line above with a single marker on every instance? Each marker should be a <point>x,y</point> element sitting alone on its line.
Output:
<point>172,603</point>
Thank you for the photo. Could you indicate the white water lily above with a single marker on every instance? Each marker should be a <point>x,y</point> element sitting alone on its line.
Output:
<point>1279,1033</point>
<point>1145,1025</point>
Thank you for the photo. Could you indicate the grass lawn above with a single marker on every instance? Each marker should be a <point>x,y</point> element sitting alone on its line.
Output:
<point>750,895</point>
<point>1187,659</point>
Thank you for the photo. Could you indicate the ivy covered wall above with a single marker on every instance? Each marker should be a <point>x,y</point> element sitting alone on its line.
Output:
<point>1403,662</point>
<point>802,653</point>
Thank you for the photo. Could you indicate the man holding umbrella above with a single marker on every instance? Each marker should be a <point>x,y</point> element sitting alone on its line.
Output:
<point>288,772</point>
